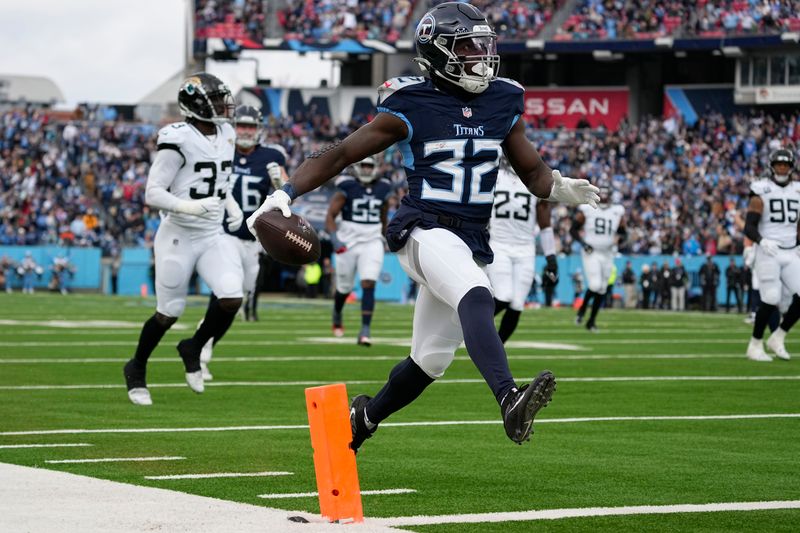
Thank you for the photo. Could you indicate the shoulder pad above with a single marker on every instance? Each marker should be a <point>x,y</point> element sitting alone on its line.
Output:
<point>511,82</point>
<point>278,148</point>
<point>584,208</point>
<point>174,133</point>
<point>385,181</point>
<point>391,86</point>
<point>343,179</point>
<point>759,186</point>
<point>620,208</point>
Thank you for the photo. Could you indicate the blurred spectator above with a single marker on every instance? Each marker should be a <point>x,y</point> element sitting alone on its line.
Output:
<point>679,281</point>
<point>646,283</point>
<point>629,286</point>
<point>709,281</point>
<point>330,20</point>
<point>733,278</point>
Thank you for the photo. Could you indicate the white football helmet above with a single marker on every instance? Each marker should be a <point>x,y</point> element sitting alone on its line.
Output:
<point>366,170</point>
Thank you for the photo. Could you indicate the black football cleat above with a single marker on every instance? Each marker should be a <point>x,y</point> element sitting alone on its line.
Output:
<point>520,407</point>
<point>190,353</point>
<point>357,423</point>
<point>136,384</point>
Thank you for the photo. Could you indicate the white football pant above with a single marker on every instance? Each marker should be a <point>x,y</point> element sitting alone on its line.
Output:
<point>597,269</point>
<point>511,278</point>
<point>366,257</point>
<point>775,272</point>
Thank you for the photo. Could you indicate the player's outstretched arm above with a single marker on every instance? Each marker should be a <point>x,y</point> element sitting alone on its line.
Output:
<point>324,164</point>
<point>540,179</point>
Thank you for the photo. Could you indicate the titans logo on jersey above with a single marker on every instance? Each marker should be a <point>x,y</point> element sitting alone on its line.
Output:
<point>251,183</point>
<point>451,156</point>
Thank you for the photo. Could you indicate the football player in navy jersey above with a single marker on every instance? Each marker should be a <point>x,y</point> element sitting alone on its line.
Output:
<point>451,129</point>
<point>257,171</point>
<point>358,239</point>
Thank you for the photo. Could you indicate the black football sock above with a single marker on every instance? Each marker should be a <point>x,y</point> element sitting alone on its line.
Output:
<point>253,304</point>
<point>791,316</point>
<point>215,324</point>
<point>367,306</point>
<point>499,306</point>
<point>406,382</point>
<point>598,301</point>
<point>508,324</point>
<point>774,320</point>
<point>762,317</point>
<point>151,335</point>
<point>476,313</point>
<point>586,299</point>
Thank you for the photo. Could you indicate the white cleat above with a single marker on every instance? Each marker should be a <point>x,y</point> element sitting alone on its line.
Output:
<point>207,375</point>
<point>195,381</point>
<point>140,396</point>
<point>776,346</point>
<point>755,351</point>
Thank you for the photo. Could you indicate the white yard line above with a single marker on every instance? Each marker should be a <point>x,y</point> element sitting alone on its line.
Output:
<point>762,416</point>
<point>47,500</point>
<point>314,383</point>
<point>65,445</point>
<point>315,494</point>
<point>221,475</point>
<point>583,512</point>
<point>363,358</point>
<point>116,460</point>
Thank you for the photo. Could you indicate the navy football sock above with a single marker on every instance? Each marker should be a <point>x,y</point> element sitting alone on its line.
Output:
<point>762,317</point>
<point>367,305</point>
<point>508,324</point>
<point>406,382</point>
<point>215,323</point>
<point>476,313</point>
<point>151,335</point>
<point>499,306</point>
<point>339,299</point>
<point>791,316</point>
<point>598,301</point>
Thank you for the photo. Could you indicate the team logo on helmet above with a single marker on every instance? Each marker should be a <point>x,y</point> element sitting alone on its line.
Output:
<point>191,84</point>
<point>425,28</point>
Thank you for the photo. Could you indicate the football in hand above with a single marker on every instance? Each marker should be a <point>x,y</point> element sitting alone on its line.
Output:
<point>287,240</point>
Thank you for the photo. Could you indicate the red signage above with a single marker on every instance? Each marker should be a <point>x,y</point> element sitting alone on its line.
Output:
<point>551,108</point>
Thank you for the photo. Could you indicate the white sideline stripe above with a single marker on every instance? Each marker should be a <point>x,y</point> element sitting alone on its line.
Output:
<point>116,459</point>
<point>365,358</point>
<point>555,514</point>
<point>221,474</point>
<point>404,424</point>
<point>314,383</point>
<point>65,445</point>
<point>314,494</point>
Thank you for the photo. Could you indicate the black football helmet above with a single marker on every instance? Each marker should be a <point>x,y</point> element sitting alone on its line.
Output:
<point>455,43</point>
<point>782,155</point>
<point>253,122</point>
<point>205,97</point>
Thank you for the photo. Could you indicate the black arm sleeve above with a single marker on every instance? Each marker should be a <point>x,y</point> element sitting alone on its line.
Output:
<point>575,232</point>
<point>751,226</point>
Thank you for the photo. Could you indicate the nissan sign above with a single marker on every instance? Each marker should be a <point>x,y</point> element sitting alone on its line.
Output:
<point>606,107</point>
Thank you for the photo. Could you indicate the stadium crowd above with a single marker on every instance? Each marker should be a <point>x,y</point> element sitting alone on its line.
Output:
<point>233,19</point>
<point>326,20</point>
<point>685,188</point>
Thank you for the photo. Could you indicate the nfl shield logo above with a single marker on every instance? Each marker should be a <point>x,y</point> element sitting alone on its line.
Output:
<point>466,111</point>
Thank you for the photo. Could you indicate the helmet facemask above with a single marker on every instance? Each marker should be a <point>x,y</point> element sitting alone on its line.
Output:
<point>781,179</point>
<point>471,59</point>
<point>366,171</point>
<point>248,134</point>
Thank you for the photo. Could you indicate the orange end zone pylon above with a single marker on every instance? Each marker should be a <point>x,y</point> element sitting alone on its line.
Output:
<point>334,461</point>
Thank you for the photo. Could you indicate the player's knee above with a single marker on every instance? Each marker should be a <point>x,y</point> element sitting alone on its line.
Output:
<point>477,299</point>
<point>171,274</point>
<point>230,285</point>
<point>771,295</point>
<point>367,283</point>
<point>165,321</point>
<point>435,355</point>
<point>344,287</point>
<point>174,308</point>
<point>230,305</point>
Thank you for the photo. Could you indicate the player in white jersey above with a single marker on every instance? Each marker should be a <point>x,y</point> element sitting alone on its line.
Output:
<point>600,229</point>
<point>189,183</point>
<point>357,239</point>
<point>772,222</point>
<point>512,231</point>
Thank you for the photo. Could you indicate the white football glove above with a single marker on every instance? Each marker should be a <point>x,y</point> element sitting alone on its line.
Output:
<point>235,214</point>
<point>277,200</point>
<point>749,256</point>
<point>275,175</point>
<point>573,191</point>
<point>769,246</point>
<point>209,208</point>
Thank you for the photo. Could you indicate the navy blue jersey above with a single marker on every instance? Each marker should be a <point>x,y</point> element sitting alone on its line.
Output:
<point>361,212</point>
<point>251,183</point>
<point>451,156</point>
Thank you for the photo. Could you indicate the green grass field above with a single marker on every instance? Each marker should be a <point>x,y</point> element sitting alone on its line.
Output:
<point>618,432</point>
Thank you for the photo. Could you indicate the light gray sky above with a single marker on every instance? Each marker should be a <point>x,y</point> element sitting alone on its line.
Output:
<point>105,51</point>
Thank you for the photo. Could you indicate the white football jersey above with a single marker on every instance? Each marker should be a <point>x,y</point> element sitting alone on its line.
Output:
<point>781,210</point>
<point>513,222</point>
<point>206,170</point>
<point>601,225</point>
